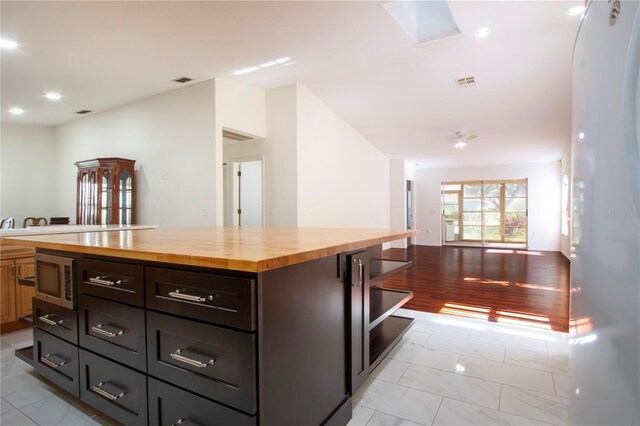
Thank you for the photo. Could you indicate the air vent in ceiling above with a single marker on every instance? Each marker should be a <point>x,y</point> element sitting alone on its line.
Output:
<point>235,136</point>
<point>465,81</point>
<point>182,80</point>
<point>83,111</point>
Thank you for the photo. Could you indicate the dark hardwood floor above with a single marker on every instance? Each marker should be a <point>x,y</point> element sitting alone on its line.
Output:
<point>512,286</point>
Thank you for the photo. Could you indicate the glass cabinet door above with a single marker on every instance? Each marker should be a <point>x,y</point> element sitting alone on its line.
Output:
<point>126,205</point>
<point>106,200</point>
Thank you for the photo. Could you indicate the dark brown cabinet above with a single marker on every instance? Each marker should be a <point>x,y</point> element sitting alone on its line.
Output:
<point>357,266</point>
<point>106,192</point>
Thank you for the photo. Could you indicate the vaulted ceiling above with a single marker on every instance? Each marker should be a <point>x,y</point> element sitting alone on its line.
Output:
<point>398,94</point>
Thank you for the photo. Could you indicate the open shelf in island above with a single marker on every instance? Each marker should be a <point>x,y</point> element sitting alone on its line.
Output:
<point>385,336</point>
<point>25,354</point>
<point>383,268</point>
<point>384,302</point>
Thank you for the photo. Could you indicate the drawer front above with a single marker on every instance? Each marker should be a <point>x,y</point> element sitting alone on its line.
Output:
<point>121,282</point>
<point>169,405</point>
<point>115,390</point>
<point>56,360</point>
<point>213,298</point>
<point>59,321</point>
<point>114,330</point>
<point>211,361</point>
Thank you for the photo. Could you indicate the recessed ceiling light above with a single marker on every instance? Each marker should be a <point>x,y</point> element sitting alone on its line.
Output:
<point>576,10</point>
<point>54,96</point>
<point>246,70</point>
<point>581,135</point>
<point>483,32</point>
<point>8,44</point>
<point>460,144</point>
<point>16,111</point>
<point>284,61</point>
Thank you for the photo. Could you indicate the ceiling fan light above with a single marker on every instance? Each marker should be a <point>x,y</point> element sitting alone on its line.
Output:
<point>460,144</point>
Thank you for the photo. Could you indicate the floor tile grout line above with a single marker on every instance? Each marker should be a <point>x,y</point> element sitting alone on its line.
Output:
<point>493,409</point>
<point>500,398</point>
<point>437,411</point>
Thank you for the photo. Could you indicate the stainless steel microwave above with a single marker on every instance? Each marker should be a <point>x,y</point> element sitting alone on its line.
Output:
<point>56,280</point>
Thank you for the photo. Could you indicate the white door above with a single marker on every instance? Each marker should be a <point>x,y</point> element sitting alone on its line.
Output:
<point>249,193</point>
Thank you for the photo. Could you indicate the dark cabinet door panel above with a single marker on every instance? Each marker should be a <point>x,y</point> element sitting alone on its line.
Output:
<point>357,279</point>
<point>213,298</point>
<point>169,405</point>
<point>212,361</point>
<point>56,360</point>
<point>57,320</point>
<point>114,330</point>
<point>113,389</point>
<point>121,282</point>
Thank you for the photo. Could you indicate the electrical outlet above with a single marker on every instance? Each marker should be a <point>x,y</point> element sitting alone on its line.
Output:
<point>165,176</point>
<point>204,212</point>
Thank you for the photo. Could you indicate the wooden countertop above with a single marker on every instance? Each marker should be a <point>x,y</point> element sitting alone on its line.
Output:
<point>241,249</point>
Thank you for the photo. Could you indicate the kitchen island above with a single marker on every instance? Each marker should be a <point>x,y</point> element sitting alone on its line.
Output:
<point>269,326</point>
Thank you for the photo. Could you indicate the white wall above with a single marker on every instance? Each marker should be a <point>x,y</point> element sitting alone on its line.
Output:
<point>28,172</point>
<point>544,199</point>
<point>398,199</point>
<point>172,138</point>
<point>343,180</point>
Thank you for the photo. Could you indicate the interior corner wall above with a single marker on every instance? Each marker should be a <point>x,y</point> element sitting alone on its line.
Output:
<point>280,157</point>
<point>241,108</point>
<point>172,138</point>
<point>544,199</point>
<point>28,172</point>
<point>398,199</point>
<point>343,180</point>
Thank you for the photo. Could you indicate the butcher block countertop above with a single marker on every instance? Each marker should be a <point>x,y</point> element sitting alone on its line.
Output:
<point>234,248</point>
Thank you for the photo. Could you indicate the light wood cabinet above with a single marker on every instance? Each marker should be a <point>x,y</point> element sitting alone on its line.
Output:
<point>24,268</point>
<point>8,292</point>
<point>15,300</point>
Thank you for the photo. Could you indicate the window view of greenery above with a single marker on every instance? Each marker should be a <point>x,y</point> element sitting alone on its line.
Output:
<point>485,211</point>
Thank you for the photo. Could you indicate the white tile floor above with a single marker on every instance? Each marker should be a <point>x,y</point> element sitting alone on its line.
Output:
<point>444,372</point>
<point>451,371</point>
<point>28,400</point>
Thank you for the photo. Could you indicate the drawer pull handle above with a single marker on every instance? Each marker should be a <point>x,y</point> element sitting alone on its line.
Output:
<point>178,357</point>
<point>179,422</point>
<point>47,320</point>
<point>100,330</point>
<point>45,360</point>
<point>102,392</point>
<point>184,296</point>
<point>102,281</point>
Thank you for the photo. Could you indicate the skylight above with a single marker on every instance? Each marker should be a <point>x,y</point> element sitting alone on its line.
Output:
<point>423,20</point>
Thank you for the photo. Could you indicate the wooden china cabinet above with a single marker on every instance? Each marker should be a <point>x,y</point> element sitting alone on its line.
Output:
<point>106,192</point>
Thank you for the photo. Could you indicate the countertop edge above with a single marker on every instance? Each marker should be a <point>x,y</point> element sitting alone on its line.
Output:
<point>212,262</point>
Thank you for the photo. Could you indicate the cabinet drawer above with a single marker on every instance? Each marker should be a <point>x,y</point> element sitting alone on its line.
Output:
<point>59,321</point>
<point>56,360</point>
<point>114,330</point>
<point>121,282</point>
<point>115,390</point>
<point>169,405</point>
<point>211,361</point>
<point>207,297</point>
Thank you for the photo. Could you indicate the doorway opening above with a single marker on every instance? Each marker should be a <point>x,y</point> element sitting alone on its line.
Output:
<point>410,203</point>
<point>244,192</point>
